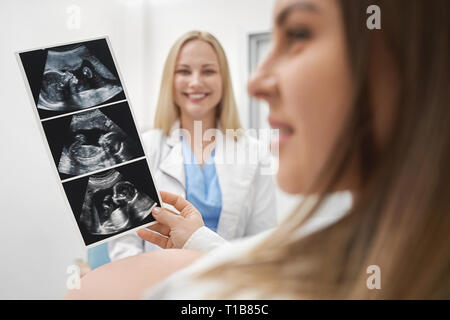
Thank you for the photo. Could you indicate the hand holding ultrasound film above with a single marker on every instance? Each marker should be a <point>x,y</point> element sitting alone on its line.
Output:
<point>88,125</point>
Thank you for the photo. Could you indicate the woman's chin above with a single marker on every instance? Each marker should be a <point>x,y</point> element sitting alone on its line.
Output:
<point>199,112</point>
<point>289,185</point>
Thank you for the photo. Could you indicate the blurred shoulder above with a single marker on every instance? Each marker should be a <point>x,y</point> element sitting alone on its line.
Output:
<point>154,142</point>
<point>152,136</point>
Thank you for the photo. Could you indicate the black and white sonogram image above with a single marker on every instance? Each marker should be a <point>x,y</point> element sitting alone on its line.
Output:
<point>112,201</point>
<point>93,140</point>
<point>75,79</point>
<point>97,143</point>
<point>72,77</point>
<point>86,121</point>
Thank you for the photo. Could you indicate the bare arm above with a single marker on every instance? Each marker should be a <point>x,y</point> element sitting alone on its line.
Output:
<point>131,277</point>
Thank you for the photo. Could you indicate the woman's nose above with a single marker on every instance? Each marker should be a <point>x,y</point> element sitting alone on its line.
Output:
<point>195,79</point>
<point>262,84</point>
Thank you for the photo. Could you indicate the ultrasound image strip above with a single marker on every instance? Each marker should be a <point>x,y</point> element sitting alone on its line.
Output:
<point>96,143</point>
<point>72,77</point>
<point>112,204</point>
<point>108,203</point>
<point>75,79</point>
<point>93,140</point>
<point>96,148</point>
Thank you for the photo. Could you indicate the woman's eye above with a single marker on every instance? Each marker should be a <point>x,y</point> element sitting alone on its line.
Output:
<point>298,34</point>
<point>209,71</point>
<point>182,71</point>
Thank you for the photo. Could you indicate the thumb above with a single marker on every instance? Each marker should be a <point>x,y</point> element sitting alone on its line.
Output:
<point>166,217</point>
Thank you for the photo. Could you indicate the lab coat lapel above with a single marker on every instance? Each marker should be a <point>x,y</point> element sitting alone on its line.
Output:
<point>235,179</point>
<point>172,163</point>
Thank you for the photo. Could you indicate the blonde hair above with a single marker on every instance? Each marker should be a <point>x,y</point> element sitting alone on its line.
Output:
<point>167,112</point>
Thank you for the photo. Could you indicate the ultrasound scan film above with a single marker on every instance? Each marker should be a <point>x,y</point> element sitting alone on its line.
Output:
<point>75,79</point>
<point>112,201</point>
<point>96,142</point>
<point>112,204</point>
<point>72,77</point>
<point>91,138</point>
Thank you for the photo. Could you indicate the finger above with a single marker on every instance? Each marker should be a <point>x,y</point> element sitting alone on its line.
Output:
<point>158,227</point>
<point>178,202</point>
<point>171,211</point>
<point>166,217</point>
<point>153,237</point>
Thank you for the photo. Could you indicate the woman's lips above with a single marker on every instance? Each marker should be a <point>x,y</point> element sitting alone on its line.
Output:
<point>196,96</point>
<point>285,131</point>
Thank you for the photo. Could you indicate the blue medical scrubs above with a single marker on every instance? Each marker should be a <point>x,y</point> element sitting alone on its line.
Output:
<point>202,186</point>
<point>98,255</point>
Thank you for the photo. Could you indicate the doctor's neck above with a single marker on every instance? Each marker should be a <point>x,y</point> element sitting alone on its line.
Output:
<point>198,126</point>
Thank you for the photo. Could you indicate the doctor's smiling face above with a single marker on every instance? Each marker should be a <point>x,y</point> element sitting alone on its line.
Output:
<point>306,80</point>
<point>197,81</point>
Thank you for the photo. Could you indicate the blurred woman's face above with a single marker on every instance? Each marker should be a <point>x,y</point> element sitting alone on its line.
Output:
<point>306,80</point>
<point>197,81</point>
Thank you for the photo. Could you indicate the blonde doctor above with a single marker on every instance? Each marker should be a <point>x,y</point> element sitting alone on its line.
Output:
<point>192,153</point>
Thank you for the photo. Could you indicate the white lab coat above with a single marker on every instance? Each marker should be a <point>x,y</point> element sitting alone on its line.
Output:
<point>248,196</point>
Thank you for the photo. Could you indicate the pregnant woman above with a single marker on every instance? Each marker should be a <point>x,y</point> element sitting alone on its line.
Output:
<point>359,110</point>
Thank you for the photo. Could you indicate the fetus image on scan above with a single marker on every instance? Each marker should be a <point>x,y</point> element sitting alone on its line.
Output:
<point>74,79</point>
<point>113,204</point>
<point>94,142</point>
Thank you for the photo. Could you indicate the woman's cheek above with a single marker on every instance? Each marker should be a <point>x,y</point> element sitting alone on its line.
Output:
<point>309,106</point>
<point>218,90</point>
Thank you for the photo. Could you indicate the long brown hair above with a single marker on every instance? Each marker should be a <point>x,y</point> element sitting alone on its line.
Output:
<point>400,220</point>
